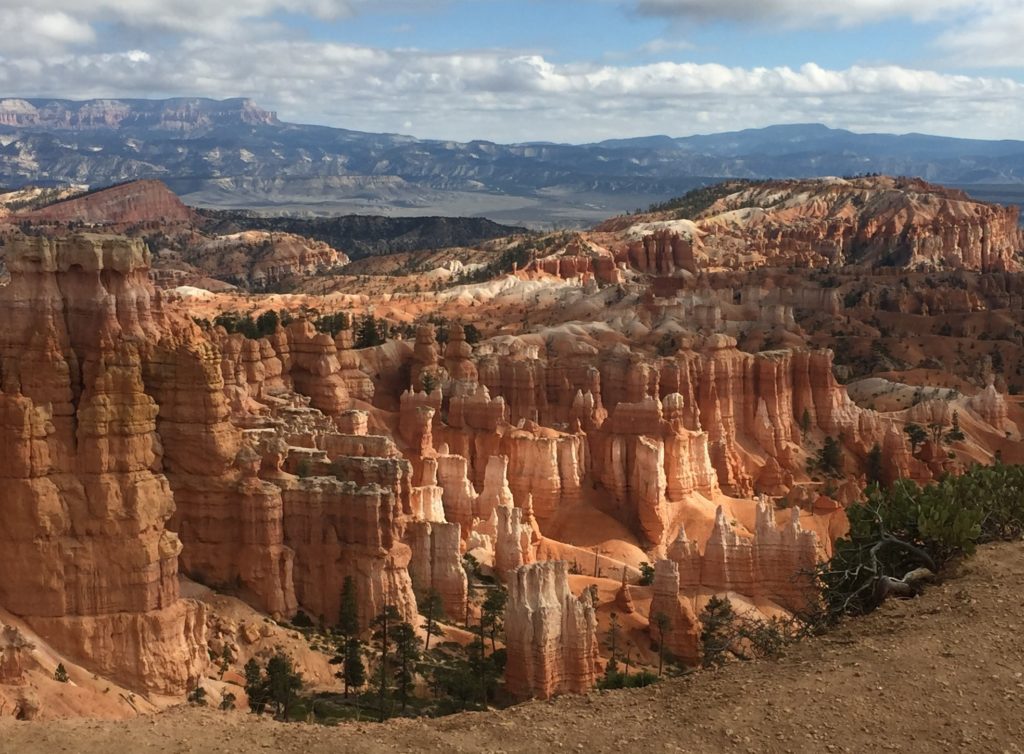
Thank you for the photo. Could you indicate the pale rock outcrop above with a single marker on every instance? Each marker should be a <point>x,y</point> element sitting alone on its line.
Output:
<point>550,634</point>
<point>496,491</point>
<point>681,629</point>
<point>437,564</point>
<point>990,405</point>
<point>513,540</point>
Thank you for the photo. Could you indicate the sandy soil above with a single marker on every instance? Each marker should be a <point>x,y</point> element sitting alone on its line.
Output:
<point>941,673</point>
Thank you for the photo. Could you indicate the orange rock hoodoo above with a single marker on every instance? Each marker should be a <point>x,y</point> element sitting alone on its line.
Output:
<point>140,444</point>
<point>87,559</point>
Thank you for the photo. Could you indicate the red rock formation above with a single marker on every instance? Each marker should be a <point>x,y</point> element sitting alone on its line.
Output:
<point>230,520</point>
<point>775,564</point>
<point>340,529</point>
<point>258,259</point>
<point>661,252</point>
<point>88,562</point>
<point>550,634</point>
<point>127,204</point>
<point>315,369</point>
<point>426,356</point>
<point>15,652</point>
<point>864,220</point>
<point>458,356</point>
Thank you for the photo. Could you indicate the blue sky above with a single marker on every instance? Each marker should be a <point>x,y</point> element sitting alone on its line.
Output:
<point>560,70</point>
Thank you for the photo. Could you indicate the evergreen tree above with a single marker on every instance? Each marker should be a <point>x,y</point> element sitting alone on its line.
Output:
<point>613,639</point>
<point>61,673</point>
<point>353,669</point>
<point>492,614</point>
<point>282,683</point>
<point>472,333</point>
<point>805,422</point>
<point>266,323</point>
<point>646,574</point>
<point>472,568</point>
<point>717,634</point>
<point>407,654</point>
<point>428,381</point>
<point>432,610</point>
<point>955,434</point>
<point>829,459</point>
<point>255,686</point>
<point>917,435</point>
<point>384,623</point>
<point>349,652</point>
<point>873,465</point>
<point>370,332</point>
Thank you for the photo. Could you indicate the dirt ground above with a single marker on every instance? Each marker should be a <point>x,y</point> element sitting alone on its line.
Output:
<point>941,673</point>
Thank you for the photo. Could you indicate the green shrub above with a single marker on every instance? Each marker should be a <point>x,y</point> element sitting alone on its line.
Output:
<point>906,526</point>
<point>646,574</point>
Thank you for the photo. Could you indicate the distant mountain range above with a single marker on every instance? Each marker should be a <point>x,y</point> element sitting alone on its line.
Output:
<point>233,154</point>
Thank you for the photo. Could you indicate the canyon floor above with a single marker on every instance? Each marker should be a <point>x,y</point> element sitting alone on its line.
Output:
<point>944,672</point>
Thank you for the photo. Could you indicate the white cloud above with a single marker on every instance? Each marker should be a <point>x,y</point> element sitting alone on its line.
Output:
<point>24,30</point>
<point>515,97</point>
<point>663,46</point>
<point>142,48</point>
<point>809,12</point>
<point>197,17</point>
<point>991,40</point>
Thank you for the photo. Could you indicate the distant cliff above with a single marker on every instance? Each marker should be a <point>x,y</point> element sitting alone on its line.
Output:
<point>232,153</point>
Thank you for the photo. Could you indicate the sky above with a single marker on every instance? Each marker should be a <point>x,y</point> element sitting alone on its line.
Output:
<point>541,70</point>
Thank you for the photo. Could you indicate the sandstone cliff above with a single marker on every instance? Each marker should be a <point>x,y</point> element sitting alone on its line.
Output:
<point>88,560</point>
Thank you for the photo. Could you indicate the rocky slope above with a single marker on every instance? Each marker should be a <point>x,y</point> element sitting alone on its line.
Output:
<point>129,204</point>
<point>877,221</point>
<point>934,674</point>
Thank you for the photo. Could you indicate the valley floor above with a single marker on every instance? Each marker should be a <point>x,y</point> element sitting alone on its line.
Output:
<point>941,673</point>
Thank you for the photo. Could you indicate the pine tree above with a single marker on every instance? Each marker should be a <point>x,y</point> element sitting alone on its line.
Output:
<point>353,669</point>
<point>492,614</point>
<point>873,465</point>
<point>718,632</point>
<point>384,623</point>
<point>432,609</point>
<point>916,435</point>
<point>266,323</point>
<point>282,683</point>
<point>407,654</point>
<point>805,422</point>
<point>955,434</point>
<point>831,458</point>
<point>349,649</point>
<point>255,686</point>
